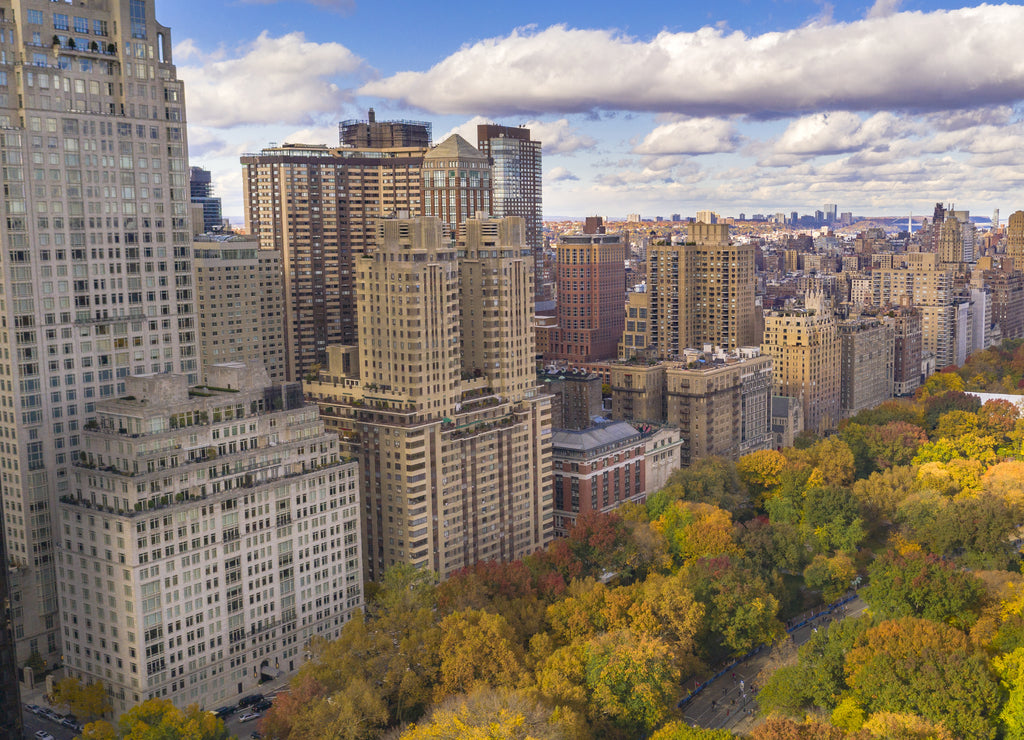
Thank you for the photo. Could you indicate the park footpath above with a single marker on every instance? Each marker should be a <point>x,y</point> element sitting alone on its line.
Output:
<point>727,700</point>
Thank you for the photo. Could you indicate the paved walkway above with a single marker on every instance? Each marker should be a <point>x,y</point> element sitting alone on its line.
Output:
<point>728,701</point>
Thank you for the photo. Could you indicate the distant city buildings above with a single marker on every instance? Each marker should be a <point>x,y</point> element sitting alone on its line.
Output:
<point>201,193</point>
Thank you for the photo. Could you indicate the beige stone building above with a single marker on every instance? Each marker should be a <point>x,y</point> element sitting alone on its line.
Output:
<point>700,292</point>
<point>209,535</point>
<point>453,434</point>
<point>1015,238</point>
<point>805,346</point>
<point>241,303</point>
<point>720,401</point>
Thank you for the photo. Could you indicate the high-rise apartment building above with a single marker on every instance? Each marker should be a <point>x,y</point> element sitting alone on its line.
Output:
<point>241,303</point>
<point>951,241</point>
<point>442,406</point>
<point>517,176</point>
<point>201,194</point>
<point>96,269</point>
<point>907,349</point>
<point>456,182</point>
<point>805,346</point>
<point>209,534</point>
<point>1015,239</point>
<point>700,292</point>
<point>320,206</point>
<point>720,401</point>
<point>374,134</point>
<point>866,349</point>
<point>518,181</point>
<point>10,697</point>
<point>591,295</point>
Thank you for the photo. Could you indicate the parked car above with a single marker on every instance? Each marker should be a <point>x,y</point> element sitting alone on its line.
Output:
<point>249,716</point>
<point>34,708</point>
<point>249,700</point>
<point>224,711</point>
<point>255,736</point>
<point>69,723</point>
<point>262,706</point>
<point>44,735</point>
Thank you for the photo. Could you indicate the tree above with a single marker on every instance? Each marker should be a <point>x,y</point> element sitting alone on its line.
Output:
<point>761,471</point>
<point>682,731</point>
<point>696,530</point>
<point>831,520</point>
<point>897,726</point>
<point>918,666</point>
<point>830,575</point>
<point>159,719</point>
<point>894,443</point>
<point>1010,669</point>
<point>632,680</point>
<point>881,494</point>
<point>784,728</point>
<point>916,584</point>
<point>84,700</point>
<point>494,714</point>
<point>956,423</point>
<point>785,692</point>
<point>938,384</point>
<point>476,648</point>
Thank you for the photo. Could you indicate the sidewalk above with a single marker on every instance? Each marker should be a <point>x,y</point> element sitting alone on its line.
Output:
<point>728,701</point>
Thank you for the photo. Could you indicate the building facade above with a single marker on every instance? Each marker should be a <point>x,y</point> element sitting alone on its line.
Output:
<point>201,194</point>
<point>209,535</point>
<point>456,183</point>
<point>591,294</point>
<point>805,346</point>
<point>374,134</point>
<point>97,266</point>
<point>517,177</point>
<point>866,357</point>
<point>454,443</point>
<point>596,469</point>
<point>320,206</point>
<point>241,303</point>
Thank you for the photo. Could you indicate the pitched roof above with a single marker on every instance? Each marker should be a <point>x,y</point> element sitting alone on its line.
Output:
<point>455,147</point>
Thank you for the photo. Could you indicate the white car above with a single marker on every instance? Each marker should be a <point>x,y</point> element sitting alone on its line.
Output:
<point>250,715</point>
<point>44,735</point>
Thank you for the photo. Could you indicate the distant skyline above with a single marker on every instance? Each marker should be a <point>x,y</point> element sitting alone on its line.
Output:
<point>753,106</point>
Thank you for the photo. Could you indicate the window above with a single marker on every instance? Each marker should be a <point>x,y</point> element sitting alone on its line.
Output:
<point>35,17</point>
<point>81,25</point>
<point>60,21</point>
<point>99,28</point>
<point>137,13</point>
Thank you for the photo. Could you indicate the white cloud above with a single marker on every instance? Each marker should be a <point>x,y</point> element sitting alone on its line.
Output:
<point>839,132</point>
<point>556,137</point>
<point>690,136</point>
<point>884,8</point>
<point>559,137</point>
<point>271,80</point>
<point>946,59</point>
<point>559,174</point>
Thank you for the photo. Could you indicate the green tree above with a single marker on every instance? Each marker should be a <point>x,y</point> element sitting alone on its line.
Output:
<point>916,584</point>
<point>830,575</point>
<point>159,719</point>
<point>1010,669</point>
<point>633,681</point>
<point>923,667</point>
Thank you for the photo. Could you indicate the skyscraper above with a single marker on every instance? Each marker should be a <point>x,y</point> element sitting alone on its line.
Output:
<point>201,193</point>
<point>456,182</point>
<point>320,207</point>
<point>97,266</point>
<point>10,701</point>
<point>444,410</point>
<point>805,346</point>
<point>1015,238</point>
<point>700,292</point>
<point>591,295</point>
<point>518,181</point>
<point>516,162</point>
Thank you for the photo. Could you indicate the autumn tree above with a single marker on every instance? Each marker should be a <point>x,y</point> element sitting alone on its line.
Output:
<point>159,719</point>
<point>922,667</point>
<point>832,576</point>
<point>761,471</point>
<point>476,648</point>
<point>881,494</point>
<point>917,584</point>
<point>682,731</point>
<point>784,728</point>
<point>84,700</point>
<point>494,714</point>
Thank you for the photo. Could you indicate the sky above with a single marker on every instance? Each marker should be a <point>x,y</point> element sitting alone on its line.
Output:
<point>738,106</point>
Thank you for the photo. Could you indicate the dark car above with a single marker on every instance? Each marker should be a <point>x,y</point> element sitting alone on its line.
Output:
<point>248,701</point>
<point>262,706</point>
<point>224,712</point>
